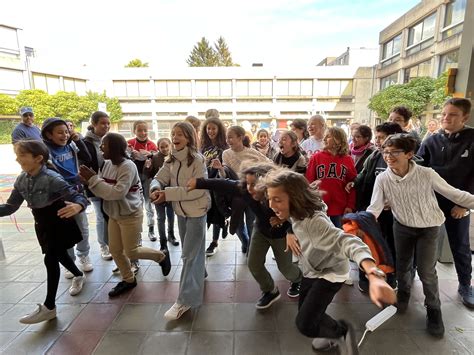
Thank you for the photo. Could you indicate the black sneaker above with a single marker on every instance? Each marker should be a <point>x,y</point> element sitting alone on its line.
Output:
<point>268,298</point>
<point>173,241</point>
<point>467,295</point>
<point>363,284</point>
<point>135,266</point>
<point>294,290</point>
<point>244,249</point>
<point>434,322</point>
<point>348,343</point>
<point>165,263</point>
<point>403,298</point>
<point>122,287</point>
<point>151,234</point>
<point>211,250</point>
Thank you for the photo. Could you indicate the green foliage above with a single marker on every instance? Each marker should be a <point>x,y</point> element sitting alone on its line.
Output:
<point>136,63</point>
<point>224,57</point>
<point>8,105</point>
<point>438,96</point>
<point>415,95</point>
<point>6,129</point>
<point>67,105</point>
<point>204,55</point>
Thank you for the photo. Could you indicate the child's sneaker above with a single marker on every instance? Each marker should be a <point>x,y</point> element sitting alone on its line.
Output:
<point>268,298</point>
<point>41,314</point>
<point>294,290</point>
<point>323,344</point>
<point>85,264</point>
<point>105,252</point>
<point>165,263</point>
<point>122,287</point>
<point>176,311</point>
<point>434,322</point>
<point>77,284</point>
<point>211,250</point>
<point>135,265</point>
<point>68,274</point>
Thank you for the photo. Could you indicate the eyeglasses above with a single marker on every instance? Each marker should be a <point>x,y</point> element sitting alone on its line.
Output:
<point>393,153</point>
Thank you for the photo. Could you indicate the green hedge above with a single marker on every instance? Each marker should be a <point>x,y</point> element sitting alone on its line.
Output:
<point>6,128</point>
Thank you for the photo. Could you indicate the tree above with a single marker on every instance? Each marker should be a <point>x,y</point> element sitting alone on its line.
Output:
<point>136,63</point>
<point>438,96</point>
<point>224,58</point>
<point>415,95</point>
<point>202,55</point>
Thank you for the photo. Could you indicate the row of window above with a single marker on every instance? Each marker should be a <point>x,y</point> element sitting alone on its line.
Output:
<point>223,88</point>
<point>421,35</point>
<point>52,84</point>
<point>446,61</point>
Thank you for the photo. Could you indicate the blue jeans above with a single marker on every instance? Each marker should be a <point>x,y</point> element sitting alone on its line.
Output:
<point>83,247</point>
<point>192,232</point>
<point>165,211</point>
<point>146,197</point>
<point>101,223</point>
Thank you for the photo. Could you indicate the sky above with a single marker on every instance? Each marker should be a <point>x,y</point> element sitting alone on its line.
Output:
<point>107,34</point>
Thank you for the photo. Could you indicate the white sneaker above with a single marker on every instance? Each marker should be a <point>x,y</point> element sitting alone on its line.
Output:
<point>105,253</point>
<point>76,286</point>
<point>41,314</point>
<point>176,311</point>
<point>135,265</point>
<point>323,344</point>
<point>68,274</point>
<point>85,263</point>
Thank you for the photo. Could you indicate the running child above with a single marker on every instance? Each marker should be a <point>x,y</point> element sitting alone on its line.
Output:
<point>53,202</point>
<point>118,184</point>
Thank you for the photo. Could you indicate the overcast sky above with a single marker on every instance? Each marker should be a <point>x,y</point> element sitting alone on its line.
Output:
<point>163,32</point>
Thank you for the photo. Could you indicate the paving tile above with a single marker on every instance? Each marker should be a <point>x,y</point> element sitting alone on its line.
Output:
<point>242,273</point>
<point>293,342</point>
<point>166,343</point>
<point>136,317</point>
<point>454,342</point>
<point>66,314</point>
<point>222,258</point>
<point>6,338</point>
<point>89,291</point>
<point>211,343</point>
<point>15,291</point>
<point>76,343</point>
<point>256,343</point>
<point>154,292</point>
<point>220,272</point>
<point>37,274</point>
<point>38,294</point>
<point>216,292</point>
<point>11,272</point>
<point>100,274</point>
<point>119,343</point>
<point>390,342</point>
<point>217,316</point>
<point>247,291</point>
<point>5,307</point>
<point>285,315</point>
<point>9,321</point>
<point>95,316</point>
<point>247,317</point>
<point>31,259</point>
<point>103,295</point>
<point>32,342</point>
<point>155,274</point>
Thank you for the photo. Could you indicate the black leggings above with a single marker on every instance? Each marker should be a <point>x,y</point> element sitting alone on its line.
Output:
<point>52,258</point>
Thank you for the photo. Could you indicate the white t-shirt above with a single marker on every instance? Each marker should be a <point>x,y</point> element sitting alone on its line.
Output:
<point>311,146</point>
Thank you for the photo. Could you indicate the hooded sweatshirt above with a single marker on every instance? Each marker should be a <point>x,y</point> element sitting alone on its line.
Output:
<point>66,158</point>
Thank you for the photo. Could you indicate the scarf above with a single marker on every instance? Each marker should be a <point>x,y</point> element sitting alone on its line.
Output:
<point>359,150</point>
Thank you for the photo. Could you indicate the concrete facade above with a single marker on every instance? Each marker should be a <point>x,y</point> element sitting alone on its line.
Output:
<point>425,41</point>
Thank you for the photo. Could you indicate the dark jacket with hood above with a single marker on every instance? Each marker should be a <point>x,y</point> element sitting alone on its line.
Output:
<point>452,157</point>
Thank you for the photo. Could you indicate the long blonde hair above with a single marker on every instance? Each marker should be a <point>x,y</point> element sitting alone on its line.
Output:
<point>340,137</point>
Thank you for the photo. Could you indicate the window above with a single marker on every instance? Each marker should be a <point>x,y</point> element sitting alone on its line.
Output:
<point>388,80</point>
<point>454,18</point>
<point>391,51</point>
<point>8,39</point>
<point>422,69</point>
<point>448,60</point>
<point>12,79</point>
<point>421,35</point>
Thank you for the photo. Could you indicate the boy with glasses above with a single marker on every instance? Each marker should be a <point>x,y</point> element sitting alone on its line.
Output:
<point>410,191</point>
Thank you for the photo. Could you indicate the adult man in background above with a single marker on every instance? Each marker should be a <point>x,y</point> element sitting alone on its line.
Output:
<point>451,154</point>
<point>26,128</point>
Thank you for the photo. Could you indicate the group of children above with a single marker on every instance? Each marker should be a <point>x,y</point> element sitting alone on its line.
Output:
<point>291,199</point>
